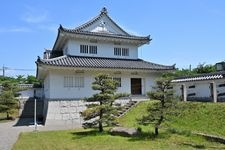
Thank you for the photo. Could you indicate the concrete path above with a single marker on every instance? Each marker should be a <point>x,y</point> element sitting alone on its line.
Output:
<point>9,131</point>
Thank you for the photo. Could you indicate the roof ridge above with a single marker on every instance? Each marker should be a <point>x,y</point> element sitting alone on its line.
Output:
<point>201,75</point>
<point>51,59</point>
<point>159,64</point>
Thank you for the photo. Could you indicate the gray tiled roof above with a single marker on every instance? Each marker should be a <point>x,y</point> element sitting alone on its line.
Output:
<point>99,62</point>
<point>105,34</point>
<point>205,76</point>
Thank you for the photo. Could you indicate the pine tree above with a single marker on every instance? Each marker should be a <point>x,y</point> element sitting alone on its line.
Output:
<point>100,110</point>
<point>160,111</point>
<point>8,102</point>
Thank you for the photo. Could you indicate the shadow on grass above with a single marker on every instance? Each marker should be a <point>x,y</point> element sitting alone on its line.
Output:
<point>88,133</point>
<point>140,137</point>
<point>193,145</point>
<point>148,136</point>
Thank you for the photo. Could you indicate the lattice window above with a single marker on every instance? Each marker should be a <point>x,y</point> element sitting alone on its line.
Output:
<point>73,81</point>
<point>117,51</point>
<point>93,49</point>
<point>125,51</point>
<point>84,49</point>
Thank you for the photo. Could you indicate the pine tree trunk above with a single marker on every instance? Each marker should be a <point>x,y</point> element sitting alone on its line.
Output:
<point>100,120</point>
<point>7,115</point>
<point>156,131</point>
<point>100,126</point>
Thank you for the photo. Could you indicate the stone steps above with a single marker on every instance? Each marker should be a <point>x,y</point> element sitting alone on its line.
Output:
<point>27,108</point>
<point>126,108</point>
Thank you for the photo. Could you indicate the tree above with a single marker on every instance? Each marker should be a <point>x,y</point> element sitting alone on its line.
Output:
<point>160,111</point>
<point>33,80</point>
<point>100,110</point>
<point>8,102</point>
<point>202,68</point>
<point>20,79</point>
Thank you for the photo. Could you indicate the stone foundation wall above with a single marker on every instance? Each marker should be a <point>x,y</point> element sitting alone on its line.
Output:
<point>64,111</point>
<point>67,112</point>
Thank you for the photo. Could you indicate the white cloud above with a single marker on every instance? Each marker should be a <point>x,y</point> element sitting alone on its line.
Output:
<point>33,15</point>
<point>31,18</point>
<point>49,27</point>
<point>15,29</point>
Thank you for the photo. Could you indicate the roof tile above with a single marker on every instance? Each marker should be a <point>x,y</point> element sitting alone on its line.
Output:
<point>100,62</point>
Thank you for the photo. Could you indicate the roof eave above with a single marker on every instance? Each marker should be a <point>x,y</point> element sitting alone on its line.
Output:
<point>57,38</point>
<point>139,40</point>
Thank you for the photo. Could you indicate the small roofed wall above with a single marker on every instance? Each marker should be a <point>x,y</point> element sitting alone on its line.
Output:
<point>201,89</point>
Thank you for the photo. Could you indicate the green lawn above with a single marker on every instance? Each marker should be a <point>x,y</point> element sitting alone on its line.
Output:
<point>81,139</point>
<point>89,139</point>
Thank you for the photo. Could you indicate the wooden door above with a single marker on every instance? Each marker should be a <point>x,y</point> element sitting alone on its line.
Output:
<point>136,86</point>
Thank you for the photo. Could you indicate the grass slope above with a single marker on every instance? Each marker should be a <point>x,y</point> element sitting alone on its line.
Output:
<point>204,117</point>
<point>80,139</point>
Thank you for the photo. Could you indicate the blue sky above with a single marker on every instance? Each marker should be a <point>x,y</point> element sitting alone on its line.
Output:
<point>183,32</point>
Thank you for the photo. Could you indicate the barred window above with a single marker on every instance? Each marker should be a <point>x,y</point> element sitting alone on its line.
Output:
<point>191,87</point>
<point>125,51</point>
<point>117,51</point>
<point>71,81</point>
<point>68,81</point>
<point>78,82</point>
<point>118,80</point>
<point>84,49</point>
<point>92,49</point>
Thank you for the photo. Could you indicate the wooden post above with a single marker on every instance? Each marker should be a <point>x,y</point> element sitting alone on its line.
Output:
<point>35,111</point>
<point>214,92</point>
<point>184,92</point>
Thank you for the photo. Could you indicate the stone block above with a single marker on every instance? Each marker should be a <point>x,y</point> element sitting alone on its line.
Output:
<point>65,103</point>
<point>73,109</point>
<point>58,116</point>
<point>80,109</point>
<point>64,110</point>
<point>81,103</point>
<point>75,115</point>
<point>66,116</point>
<point>74,103</point>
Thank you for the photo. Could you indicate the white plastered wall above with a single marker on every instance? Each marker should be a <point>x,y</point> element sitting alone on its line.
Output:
<point>58,91</point>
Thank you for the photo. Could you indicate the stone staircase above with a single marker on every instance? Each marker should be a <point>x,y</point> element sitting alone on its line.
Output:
<point>124,109</point>
<point>27,108</point>
<point>126,103</point>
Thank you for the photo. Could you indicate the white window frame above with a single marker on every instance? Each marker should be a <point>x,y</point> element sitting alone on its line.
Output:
<point>93,49</point>
<point>84,49</point>
<point>125,51</point>
<point>117,51</point>
<point>73,82</point>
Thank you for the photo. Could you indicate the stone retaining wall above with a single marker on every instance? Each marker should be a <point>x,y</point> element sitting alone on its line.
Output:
<point>66,111</point>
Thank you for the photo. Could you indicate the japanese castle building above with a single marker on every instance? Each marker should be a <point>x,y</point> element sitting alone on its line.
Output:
<point>79,54</point>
